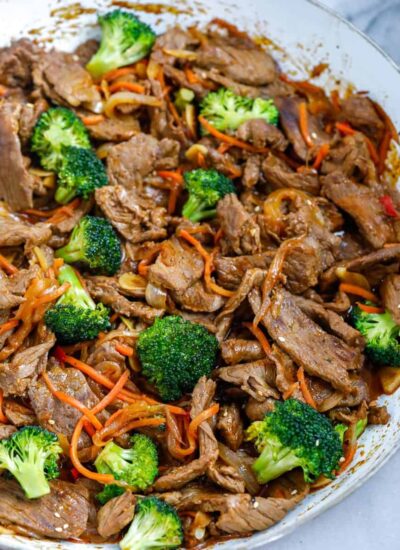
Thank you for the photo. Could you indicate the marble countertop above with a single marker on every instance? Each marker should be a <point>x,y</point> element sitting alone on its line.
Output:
<point>368,519</point>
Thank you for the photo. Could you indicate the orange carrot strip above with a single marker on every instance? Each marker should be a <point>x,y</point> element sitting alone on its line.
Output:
<point>91,120</point>
<point>3,90</point>
<point>322,153</point>
<point>39,213</point>
<point>372,150</point>
<point>64,211</point>
<point>112,395</point>
<point>9,325</point>
<point>8,267</point>
<point>169,174</point>
<point>348,459</point>
<point>345,128</point>
<point>370,309</point>
<point>46,298</point>
<point>358,291</point>
<point>335,99</point>
<point>229,139</point>
<point>258,333</point>
<point>131,86</point>
<point>290,391</point>
<point>303,123</point>
<point>383,151</point>
<point>127,351</point>
<point>3,417</point>
<point>205,415</point>
<point>304,388</point>
<point>387,120</point>
<point>116,73</point>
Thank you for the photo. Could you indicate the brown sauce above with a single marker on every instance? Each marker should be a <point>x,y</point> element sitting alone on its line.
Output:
<point>157,9</point>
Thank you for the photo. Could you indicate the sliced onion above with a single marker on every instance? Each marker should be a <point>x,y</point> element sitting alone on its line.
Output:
<point>181,54</point>
<point>193,151</point>
<point>156,296</point>
<point>129,98</point>
<point>352,278</point>
<point>103,150</point>
<point>390,379</point>
<point>133,284</point>
<point>242,462</point>
<point>153,70</point>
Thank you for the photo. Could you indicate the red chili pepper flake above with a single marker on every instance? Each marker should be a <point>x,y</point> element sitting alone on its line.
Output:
<point>59,354</point>
<point>387,203</point>
<point>75,474</point>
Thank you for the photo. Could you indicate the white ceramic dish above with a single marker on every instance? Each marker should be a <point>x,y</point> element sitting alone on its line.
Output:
<point>309,34</point>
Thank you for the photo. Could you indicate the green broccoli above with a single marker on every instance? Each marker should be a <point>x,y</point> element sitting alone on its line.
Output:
<point>227,111</point>
<point>206,188</point>
<point>156,524</point>
<point>80,174</point>
<point>75,317</point>
<point>341,429</point>
<point>174,354</point>
<point>109,492</point>
<point>56,129</point>
<point>124,40</point>
<point>381,335</point>
<point>93,242</point>
<point>31,456</point>
<point>295,435</point>
<point>136,466</point>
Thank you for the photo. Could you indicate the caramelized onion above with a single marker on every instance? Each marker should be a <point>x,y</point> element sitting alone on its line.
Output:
<point>242,462</point>
<point>129,98</point>
<point>352,278</point>
<point>156,296</point>
<point>390,379</point>
<point>134,284</point>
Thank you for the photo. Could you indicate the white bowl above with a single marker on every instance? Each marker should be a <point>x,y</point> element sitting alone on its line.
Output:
<point>309,34</point>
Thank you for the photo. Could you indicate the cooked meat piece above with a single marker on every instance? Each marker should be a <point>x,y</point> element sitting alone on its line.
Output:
<point>17,376</point>
<point>378,415</point>
<point>319,353</point>
<point>248,65</point>
<point>130,162</point>
<point>179,78</point>
<point>286,373</point>
<point>252,278</point>
<point>63,80</point>
<point>68,224</point>
<point>230,425</point>
<point>256,378</point>
<point>390,292</point>
<point>62,514</point>
<point>197,298</point>
<point>241,234</point>
<point>28,116</point>
<point>16,184</point>
<point>360,112</point>
<point>174,38</point>
<point>8,300</point>
<point>18,414</point>
<point>258,132</point>
<point>162,123</point>
<point>86,50</point>
<point>177,267</point>
<point>362,204</point>
<point>330,321</point>
<point>137,218</point>
<point>6,430</point>
<point>252,171</point>
<point>326,398</point>
<point>53,414</point>
<point>231,270</point>
<point>105,289</point>
<point>112,129</point>
<point>280,175</point>
<point>14,233</point>
<point>256,410</point>
<point>16,63</point>
<point>350,156</point>
<point>236,350</point>
<point>116,514</point>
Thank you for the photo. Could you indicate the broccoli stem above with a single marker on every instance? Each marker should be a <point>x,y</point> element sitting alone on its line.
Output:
<point>195,209</point>
<point>76,294</point>
<point>272,463</point>
<point>64,195</point>
<point>74,250</point>
<point>32,480</point>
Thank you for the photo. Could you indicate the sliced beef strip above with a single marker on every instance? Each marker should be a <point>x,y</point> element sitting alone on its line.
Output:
<point>252,278</point>
<point>177,267</point>
<point>6,430</point>
<point>17,376</point>
<point>8,300</point>
<point>230,270</point>
<point>16,184</point>
<point>197,298</point>
<point>361,114</point>
<point>18,414</point>
<point>350,156</point>
<point>280,175</point>
<point>252,171</point>
<point>256,410</point>
<point>286,373</point>
<point>378,415</point>
<point>63,80</point>
<point>247,65</point>
<point>241,234</point>
<point>62,514</point>
<point>174,38</point>
<point>390,292</point>
<point>85,51</point>
<point>137,218</point>
<point>14,233</point>
<point>16,63</point>
<point>237,350</point>
<point>362,204</point>
<point>230,425</point>
<point>105,289</point>
<point>256,378</point>
<point>319,353</point>
<point>116,514</point>
<point>130,162</point>
<point>13,288</point>
<point>258,132</point>
<point>28,116</point>
<point>113,129</point>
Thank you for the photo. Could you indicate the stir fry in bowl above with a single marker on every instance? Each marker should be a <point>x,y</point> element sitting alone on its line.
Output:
<point>200,285</point>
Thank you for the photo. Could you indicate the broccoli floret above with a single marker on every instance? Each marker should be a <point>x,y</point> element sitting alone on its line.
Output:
<point>56,129</point>
<point>206,188</point>
<point>174,354</point>
<point>156,524</point>
<point>109,492</point>
<point>227,111</point>
<point>124,40</point>
<point>295,435</point>
<point>381,335</point>
<point>136,466</point>
<point>31,455</point>
<point>75,317</point>
<point>80,174</point>
<point>94,243</point>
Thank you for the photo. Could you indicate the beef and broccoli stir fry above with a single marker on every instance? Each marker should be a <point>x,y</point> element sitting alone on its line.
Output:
<point>200,289</point>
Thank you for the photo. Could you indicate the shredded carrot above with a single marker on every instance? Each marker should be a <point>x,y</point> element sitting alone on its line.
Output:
<point>258,333</point>
<point>234,142</point>
<point>322,153</point>
<point>8,267</point>
<point>177,180</point>
<point>39,213</point>
<point>171,175</point>
<point>290,391</point>
<point>303,86</point>
<point>91,120</point>
<point>303,123</point>
<point>348,459</point>
<point>112,395</point>
<point>58,262</point>
<point>143,267</point>
<point>9,325</point>
<point>65,211</point>
<point>51,296</point>
<point>387,120</point>
<point>117,73</point>
<point>191,77</point>
<point>3,90</point>
<point>358,291</point>
<point>87,426</point>
<point>345,128</point>
<point>370,309</point>
<point>218,236</point>
<point>131,86</point>
<point>201,160</point>
<point>304,388</point>
<point>3,417</point>
<point>125,350</point>
<point>383,151</point>
<point>372,151</point>
<point>335,99</point>
<point>205,415</point>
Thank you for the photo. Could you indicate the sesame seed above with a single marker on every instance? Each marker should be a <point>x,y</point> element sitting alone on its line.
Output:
<point>317,443</point>
<point>58,529</point>
<point>57,514</point>
<point>342,459</point>
<point>256,504</point>
<point>199,533</point>
<point>281,338</point>
<point>65,526</point>
<point>294,492</point>
<point>51,422</point>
